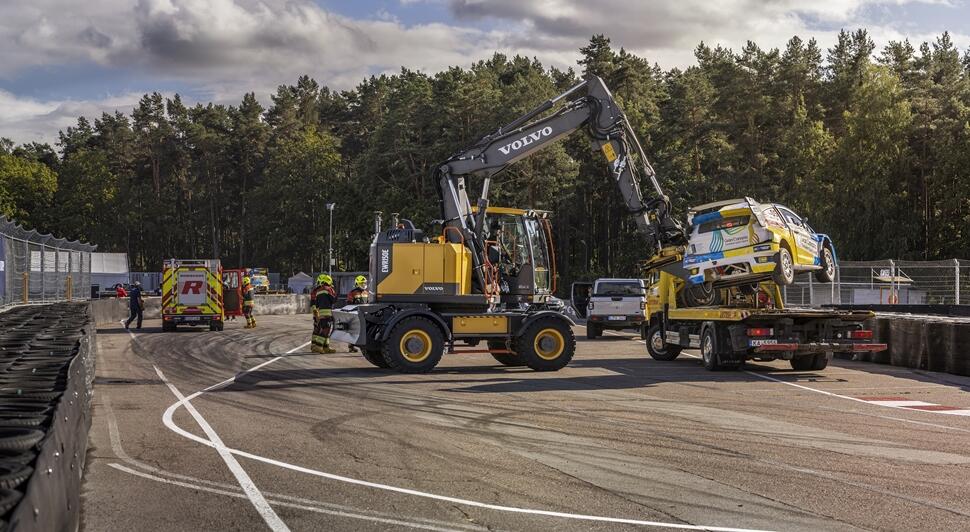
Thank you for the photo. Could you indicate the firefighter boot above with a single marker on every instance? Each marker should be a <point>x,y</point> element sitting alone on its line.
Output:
<point>327,350</point>
<point>352,348</point>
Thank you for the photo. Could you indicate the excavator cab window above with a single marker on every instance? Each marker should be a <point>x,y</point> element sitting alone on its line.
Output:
<point>540,255</point>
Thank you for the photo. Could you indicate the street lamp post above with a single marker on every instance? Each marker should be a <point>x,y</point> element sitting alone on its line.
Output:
<point>330,244</point>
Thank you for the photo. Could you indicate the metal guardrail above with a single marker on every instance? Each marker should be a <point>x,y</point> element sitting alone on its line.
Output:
<point>886,282</point>
<point>39,268</point>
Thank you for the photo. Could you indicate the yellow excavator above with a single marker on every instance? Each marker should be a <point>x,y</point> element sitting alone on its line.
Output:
<point>487,276</point>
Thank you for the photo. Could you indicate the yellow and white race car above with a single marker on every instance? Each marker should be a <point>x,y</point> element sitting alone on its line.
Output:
<point>741,242</point>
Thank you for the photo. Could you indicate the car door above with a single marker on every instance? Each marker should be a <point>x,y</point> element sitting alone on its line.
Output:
<point>807,246</point>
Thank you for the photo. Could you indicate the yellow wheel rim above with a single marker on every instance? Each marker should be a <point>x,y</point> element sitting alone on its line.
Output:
<point>549,344</point>
<point>415,345</point>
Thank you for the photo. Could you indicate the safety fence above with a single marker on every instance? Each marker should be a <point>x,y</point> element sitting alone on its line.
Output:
<point>886,282</point>
<point>39,268</point>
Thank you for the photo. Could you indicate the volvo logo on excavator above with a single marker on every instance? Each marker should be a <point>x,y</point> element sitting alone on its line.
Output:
<point>517,145</point>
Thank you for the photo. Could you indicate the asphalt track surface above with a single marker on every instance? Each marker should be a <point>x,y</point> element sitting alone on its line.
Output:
<point>285,439</point>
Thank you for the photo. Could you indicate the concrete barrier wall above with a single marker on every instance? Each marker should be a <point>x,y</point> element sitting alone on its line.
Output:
<point>114,310</point>
<point>921,343</point>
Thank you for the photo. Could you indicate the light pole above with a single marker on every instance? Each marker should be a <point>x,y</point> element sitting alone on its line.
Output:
<point>330,254</point>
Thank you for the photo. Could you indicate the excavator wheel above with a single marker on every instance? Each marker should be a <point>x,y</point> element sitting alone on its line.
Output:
<point>415,345</point>
<point>374,357</point>
<point>506,359</point>
<point>548,344</point>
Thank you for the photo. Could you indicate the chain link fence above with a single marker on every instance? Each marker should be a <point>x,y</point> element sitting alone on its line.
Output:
<point>886,282</point>
<point>37,268</point>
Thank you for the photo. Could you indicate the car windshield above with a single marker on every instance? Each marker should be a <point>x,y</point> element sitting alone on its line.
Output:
<point>619,288</point>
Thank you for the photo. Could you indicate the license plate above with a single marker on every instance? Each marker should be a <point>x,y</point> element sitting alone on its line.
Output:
<point>191,318</point>
<point>617,318</point>
<point>754,343</point>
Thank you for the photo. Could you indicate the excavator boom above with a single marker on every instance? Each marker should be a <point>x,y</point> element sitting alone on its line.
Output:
<point>596,111</point>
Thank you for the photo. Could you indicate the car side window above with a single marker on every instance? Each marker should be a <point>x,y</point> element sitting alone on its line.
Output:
<point>791,217</point>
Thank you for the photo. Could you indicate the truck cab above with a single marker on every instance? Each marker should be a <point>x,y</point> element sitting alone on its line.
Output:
<point>615,304</point>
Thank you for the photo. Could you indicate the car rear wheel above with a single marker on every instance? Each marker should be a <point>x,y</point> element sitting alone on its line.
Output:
<point>592,331</point>
<point>784,273</point>
<point>827,259</point>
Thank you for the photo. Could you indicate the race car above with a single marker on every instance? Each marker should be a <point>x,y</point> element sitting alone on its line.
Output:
<point>741,242</point>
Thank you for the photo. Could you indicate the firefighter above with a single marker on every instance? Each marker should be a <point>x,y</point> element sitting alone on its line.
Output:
<point>321,300</point>
<point>249,302</point>
<point>358,296</point>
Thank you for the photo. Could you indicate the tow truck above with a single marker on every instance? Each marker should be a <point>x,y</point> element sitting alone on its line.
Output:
<point>750,325</point>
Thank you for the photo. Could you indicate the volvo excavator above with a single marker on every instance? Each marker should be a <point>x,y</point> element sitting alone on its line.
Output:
<point>488,274</point>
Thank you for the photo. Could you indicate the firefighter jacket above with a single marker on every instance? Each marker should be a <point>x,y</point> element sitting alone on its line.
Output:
<point>321,301</point>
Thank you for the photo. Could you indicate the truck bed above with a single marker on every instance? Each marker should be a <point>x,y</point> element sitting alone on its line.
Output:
<point>742,314</point>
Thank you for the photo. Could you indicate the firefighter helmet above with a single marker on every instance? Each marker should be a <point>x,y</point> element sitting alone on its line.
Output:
<point>360,281</point>
<point>246,281</point>
<point>324,279</point>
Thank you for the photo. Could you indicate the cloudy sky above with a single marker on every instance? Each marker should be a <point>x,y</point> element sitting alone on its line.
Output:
<point>63,58</point>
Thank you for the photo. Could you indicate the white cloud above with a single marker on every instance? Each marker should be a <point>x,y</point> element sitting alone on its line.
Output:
<point>28,120</point>
<point>227,47</point>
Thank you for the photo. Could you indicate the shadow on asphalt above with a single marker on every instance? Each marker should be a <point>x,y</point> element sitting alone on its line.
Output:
<point>626,373</point>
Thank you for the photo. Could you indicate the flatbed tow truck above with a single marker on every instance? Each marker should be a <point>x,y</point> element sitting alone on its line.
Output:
<point>751,327</point>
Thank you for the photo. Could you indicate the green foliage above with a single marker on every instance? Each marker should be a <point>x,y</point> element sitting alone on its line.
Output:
<point>874,150</point>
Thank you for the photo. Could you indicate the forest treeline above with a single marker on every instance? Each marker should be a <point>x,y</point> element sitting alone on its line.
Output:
<point>873,146</point>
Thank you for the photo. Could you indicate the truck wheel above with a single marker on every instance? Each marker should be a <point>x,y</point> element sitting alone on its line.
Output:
<point>658,347</point>
<point>820,361</point>
<point>215,326</point>
<point>709,348</point>
<point>375,357</point>
<point>415,345</point>
<point>784,273</point>
<point>546,345</point>
<point>506,359</point>
<point>168,326</point>
<point>803,363</point>
<point>827,259</point>
<point>592,332</point>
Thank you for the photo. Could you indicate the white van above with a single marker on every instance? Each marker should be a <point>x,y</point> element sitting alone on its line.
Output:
<point>615,304</point>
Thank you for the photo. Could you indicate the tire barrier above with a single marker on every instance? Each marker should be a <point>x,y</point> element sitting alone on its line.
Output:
<point>46,383</point>
<point>934,344</point>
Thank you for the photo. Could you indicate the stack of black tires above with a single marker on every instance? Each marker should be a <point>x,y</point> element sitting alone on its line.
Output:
<point>37,347</point>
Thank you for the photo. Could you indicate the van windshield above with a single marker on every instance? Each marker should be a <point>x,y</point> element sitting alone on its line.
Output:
<point>619,288</point>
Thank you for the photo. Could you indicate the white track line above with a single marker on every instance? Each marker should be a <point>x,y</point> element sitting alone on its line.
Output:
<point>274,498</point>
<point>840,396</point>
<point>169,422</point>
<point>249,487</point>
<point>398,522</point>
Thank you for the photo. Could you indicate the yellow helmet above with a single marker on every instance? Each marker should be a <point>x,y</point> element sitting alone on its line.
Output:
<point>360,281</point>
<point>246,281</point>
<point>324,279</point>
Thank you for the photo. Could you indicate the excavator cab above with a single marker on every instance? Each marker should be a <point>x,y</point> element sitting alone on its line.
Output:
<point>520,254</point>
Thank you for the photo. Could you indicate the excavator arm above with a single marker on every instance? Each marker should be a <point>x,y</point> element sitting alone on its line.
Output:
<point>588,105</point>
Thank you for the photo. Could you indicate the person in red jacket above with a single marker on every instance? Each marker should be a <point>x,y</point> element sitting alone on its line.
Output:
<point>120,291</point>
<point>321,301</point>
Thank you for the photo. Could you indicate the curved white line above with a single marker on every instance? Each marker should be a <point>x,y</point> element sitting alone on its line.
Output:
<point>168,421</point>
